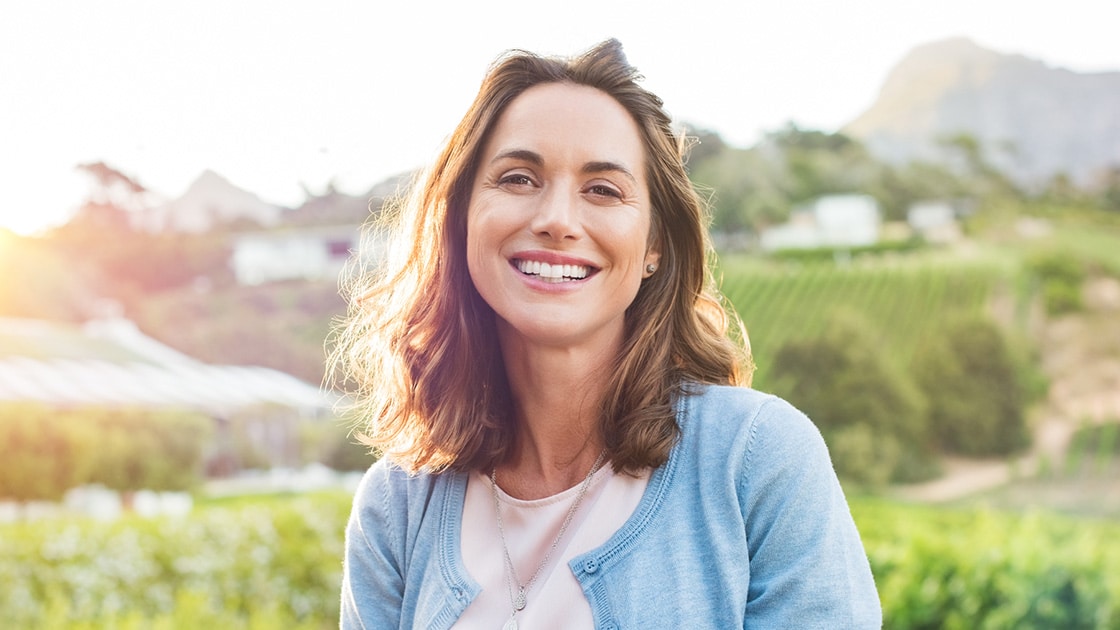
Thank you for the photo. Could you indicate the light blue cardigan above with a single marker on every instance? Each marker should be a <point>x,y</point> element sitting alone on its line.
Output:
<point>744,527</point>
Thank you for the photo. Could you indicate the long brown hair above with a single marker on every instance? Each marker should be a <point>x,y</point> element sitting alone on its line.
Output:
<point>419,348</point>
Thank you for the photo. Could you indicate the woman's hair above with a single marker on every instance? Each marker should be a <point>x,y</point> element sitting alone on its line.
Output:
<point>419,349</point>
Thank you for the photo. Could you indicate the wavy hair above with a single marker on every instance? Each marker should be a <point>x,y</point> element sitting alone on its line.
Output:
<point>418,350</point>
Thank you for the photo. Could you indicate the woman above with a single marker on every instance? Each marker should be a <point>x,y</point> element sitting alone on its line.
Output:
<point>567,436</point>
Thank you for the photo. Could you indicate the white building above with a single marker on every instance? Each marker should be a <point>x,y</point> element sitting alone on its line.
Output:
<point>306,253</point>
<point>935,221</point>
<point>830,221</point>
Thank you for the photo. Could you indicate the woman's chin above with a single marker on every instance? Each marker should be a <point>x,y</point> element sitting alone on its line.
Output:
<point>557,333</point>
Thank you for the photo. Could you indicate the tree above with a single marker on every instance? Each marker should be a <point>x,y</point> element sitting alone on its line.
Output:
<point>897,188</point>
<point>154,450</point>
<point>982,178</point>
<point>976,402</point>
<point>42,459</point>
<point>756,187</point>
<point>704,145</point>
<point>747,190</point>
<point>1109,189</point>
<point>859,401</point>
<point>819,163</point>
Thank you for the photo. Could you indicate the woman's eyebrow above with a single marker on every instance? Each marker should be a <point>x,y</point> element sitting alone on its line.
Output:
<point>604,167</point>
<point>532,157</point>
<point>520,154</point>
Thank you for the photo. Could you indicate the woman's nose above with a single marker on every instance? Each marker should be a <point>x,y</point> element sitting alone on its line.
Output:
<point>557,215</point>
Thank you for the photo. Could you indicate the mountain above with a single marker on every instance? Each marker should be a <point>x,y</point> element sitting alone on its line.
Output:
<point>330,208</point>
<point>334,207</point>
<point>211,200</point>
<point>1033,120</point>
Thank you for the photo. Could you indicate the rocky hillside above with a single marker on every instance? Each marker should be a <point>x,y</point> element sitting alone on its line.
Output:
<point>1033,120</point>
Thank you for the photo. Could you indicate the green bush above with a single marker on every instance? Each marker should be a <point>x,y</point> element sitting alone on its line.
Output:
<point>1060,276</point>
<point>864,456</point>
<point>274,564</point>
<point>142,449</point>
<point>48,451</point>
<point>976,402</point>
<point>975,570</point>
<point>346,453</point>
<point>42,458</point>
<point>841,379</point>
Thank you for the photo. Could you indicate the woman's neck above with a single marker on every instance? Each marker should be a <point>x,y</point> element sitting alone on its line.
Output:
<point>556,395</point>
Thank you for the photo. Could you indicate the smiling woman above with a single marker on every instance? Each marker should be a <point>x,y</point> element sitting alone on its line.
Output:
<point>568,436</point>
<point>558,228</point>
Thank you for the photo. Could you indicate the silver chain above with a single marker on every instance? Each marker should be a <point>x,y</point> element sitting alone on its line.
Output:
<point>518,602</point>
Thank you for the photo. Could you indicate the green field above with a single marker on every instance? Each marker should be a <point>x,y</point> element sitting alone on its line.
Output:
<point>904,300</point>
<point>275,562</point>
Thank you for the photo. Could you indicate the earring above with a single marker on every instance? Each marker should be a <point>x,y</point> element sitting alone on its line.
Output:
<point>650,268</point>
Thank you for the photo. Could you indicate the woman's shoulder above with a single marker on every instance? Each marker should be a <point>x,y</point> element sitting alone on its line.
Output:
<point>747,424</point>
<point>387,486</point>
<point>728,407</point>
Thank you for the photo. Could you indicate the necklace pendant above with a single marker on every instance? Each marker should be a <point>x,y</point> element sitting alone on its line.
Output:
<point>519,602</point>
<point>511,624</point>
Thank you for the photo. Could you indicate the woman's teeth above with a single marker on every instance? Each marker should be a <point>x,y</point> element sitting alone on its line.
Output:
<point>552,273</point>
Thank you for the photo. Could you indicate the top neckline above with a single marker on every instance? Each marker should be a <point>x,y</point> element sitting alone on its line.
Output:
<point>604,471</point>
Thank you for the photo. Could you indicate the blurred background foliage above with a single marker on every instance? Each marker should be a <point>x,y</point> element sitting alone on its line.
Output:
<point>911,356</point>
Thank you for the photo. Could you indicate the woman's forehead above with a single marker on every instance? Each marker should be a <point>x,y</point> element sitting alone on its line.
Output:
<point>570,122</point>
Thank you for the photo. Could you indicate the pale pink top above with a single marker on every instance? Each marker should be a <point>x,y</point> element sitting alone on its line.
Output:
<point>555,599</point>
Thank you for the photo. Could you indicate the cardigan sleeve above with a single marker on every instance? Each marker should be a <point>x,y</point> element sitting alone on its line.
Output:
<point>372,579</point>
<point>808,568</point>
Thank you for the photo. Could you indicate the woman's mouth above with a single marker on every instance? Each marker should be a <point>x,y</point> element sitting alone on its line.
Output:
<point>552,272</point>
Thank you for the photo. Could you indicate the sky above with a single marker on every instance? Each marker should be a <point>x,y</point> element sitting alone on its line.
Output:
<point>283,97</point>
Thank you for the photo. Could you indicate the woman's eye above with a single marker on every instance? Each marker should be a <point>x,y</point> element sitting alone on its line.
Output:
<point>600,190</point>
<point>516,179</point>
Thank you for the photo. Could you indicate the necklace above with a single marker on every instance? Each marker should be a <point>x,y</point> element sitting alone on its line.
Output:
<point>517,602</point>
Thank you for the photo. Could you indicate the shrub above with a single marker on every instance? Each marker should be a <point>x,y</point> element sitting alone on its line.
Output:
<point>864,456</point>
<point>1060,277</point>
<point>274,564</point>
<point>42,458</point>
<point>941,568</point>
<point>48,451</point>
<point>976,402</point>
<point>841,380</point>
<point>345,453</point>
<point>142,449</point>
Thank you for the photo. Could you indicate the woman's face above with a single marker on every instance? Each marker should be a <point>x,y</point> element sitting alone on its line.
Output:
<point>559,217</point>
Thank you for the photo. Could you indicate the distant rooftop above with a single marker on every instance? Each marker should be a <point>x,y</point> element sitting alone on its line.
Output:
<point>110,362</point>
<point>37,339</point>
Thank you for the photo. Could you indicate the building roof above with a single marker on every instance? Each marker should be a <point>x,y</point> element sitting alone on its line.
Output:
<point>110,362</point>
